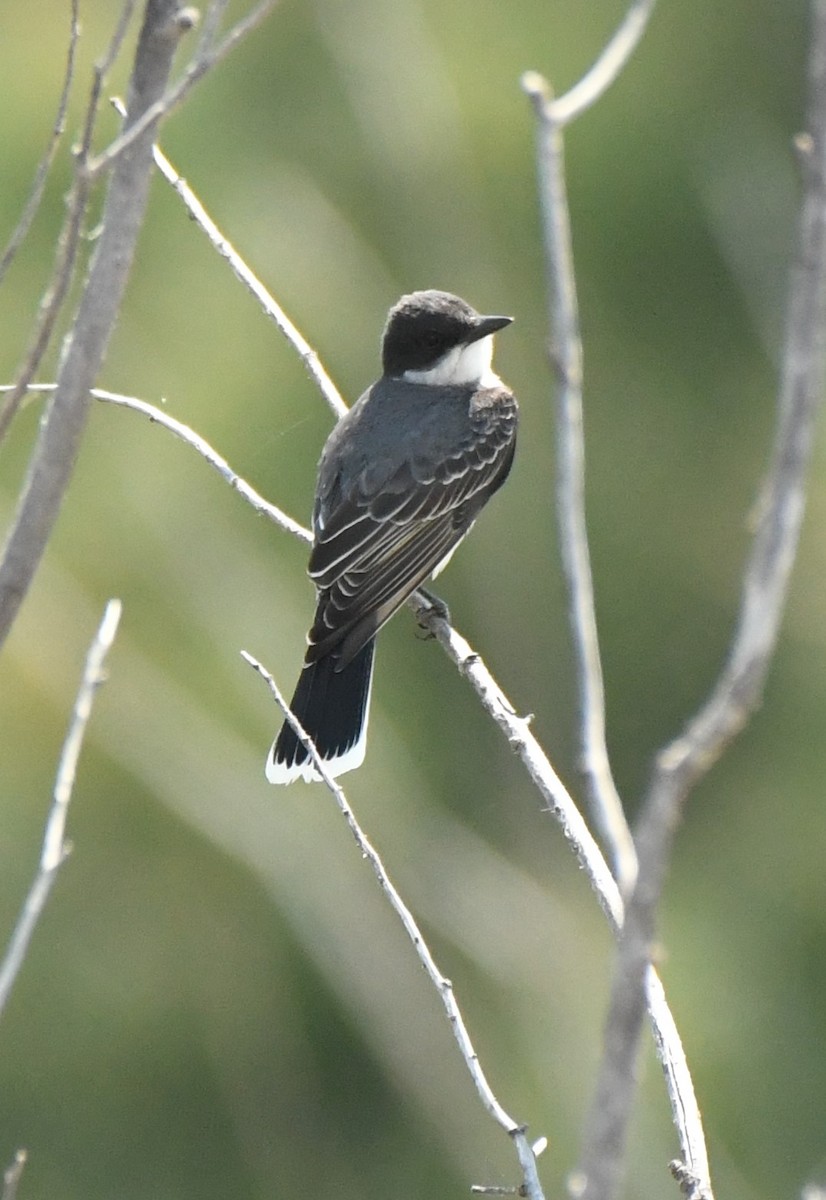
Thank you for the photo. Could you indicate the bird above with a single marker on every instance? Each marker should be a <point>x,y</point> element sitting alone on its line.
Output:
<point>401,480</point>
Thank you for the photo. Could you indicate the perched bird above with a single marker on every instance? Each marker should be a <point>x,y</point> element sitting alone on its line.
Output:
<point>402,478</point>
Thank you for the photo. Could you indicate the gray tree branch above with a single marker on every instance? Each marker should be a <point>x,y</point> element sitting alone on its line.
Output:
<point>55,846</point>
<point>68,242</point>
<point>252,283</point>
<point>206,58</point>
<point>12,1175</point>
<point>31,206</point>
<point>62,430</point>
<point>610,64</point>
<point>531,1186</point>
<point>157,416</point>
<point>566,353</point>
<point>739,689</point>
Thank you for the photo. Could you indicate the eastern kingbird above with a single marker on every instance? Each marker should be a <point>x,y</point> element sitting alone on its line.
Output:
<point>402,478</point>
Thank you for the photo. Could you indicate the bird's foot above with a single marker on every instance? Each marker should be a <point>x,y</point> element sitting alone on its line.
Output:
<point>433,606</point>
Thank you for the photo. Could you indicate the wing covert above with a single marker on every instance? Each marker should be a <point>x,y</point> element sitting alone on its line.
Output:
<point>383,537</point>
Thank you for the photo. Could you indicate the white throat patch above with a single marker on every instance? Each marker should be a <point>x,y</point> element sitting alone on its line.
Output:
<point>463,366</point>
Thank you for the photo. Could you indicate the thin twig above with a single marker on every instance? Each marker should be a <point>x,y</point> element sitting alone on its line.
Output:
<point>442,985</point>
<point>250,280</point>
<point>684,1107</point>
<point>244,273</point>
<point>739,688</point>
<point>522,741</point>
<point>607,67</point>
<point>12,1174</point>
<point>163,106</point>
<point>552,116</point>
<point>105,63</point>
<point>55,847</point>
<point>51,303</point>
<point>157,416</point>
<point>41,174</point>
<point>210,26</point>
<point>605,802</point>
<point>66,252</point>
<point>567,352</point>
<point>603,796</point>
<point>61,432</point>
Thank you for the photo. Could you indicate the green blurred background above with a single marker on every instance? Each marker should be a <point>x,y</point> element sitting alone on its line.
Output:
<point>218,1000</point>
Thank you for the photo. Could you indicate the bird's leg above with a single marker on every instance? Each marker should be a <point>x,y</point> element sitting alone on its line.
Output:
<point>433,606</point>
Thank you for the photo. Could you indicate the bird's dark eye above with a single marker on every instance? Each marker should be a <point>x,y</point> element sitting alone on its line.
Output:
<point>431,338</point>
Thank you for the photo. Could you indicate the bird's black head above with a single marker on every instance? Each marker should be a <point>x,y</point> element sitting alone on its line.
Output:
<point>424,328</point>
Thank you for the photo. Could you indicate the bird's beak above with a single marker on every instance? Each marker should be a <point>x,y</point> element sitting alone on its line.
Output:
<point>488,325</point>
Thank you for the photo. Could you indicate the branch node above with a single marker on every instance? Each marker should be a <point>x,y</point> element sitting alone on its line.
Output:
<point>180,23</point>
<point>804,145</point>
<point>690,1184</point>
<point>11,1175</point>
<point>492,1189</point>
<point>536,86</point>
<point>188,18</point>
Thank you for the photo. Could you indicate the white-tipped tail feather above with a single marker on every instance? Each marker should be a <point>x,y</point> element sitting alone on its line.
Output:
<point>279,772</point>
<point>332,704</point>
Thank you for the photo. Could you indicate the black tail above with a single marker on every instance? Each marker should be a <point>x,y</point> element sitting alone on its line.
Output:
<point>333,707</point>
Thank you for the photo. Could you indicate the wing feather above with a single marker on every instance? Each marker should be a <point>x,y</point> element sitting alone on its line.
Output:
<point>385,536</point>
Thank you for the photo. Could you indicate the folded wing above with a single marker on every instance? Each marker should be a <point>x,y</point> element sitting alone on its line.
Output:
<point>380,542</point>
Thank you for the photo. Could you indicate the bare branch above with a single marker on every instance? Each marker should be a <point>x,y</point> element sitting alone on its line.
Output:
<point>51,303</point>
<point>684,1107</point>
<point>603,797</point>
<point>210,26</point>
<point>55,847</point>
<point>67,243</point>
<point>104,65</point>
<point>62,430</point>
<point>522,741</point>
<point>567,355</point>
<point>244,273</point>
<point>11,1176</point>
<point>158,417</point>
<point>203,62</point>
<point>41,174</point>
<point>250,280</point>
<point>442,985</point>
<point>739,688</point>
<point>608,66</point>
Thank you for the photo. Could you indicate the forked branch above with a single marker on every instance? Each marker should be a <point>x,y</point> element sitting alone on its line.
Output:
<point>739,689</point>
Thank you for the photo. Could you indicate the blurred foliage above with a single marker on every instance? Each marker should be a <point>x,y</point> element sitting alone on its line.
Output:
<point>218,1000</point>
